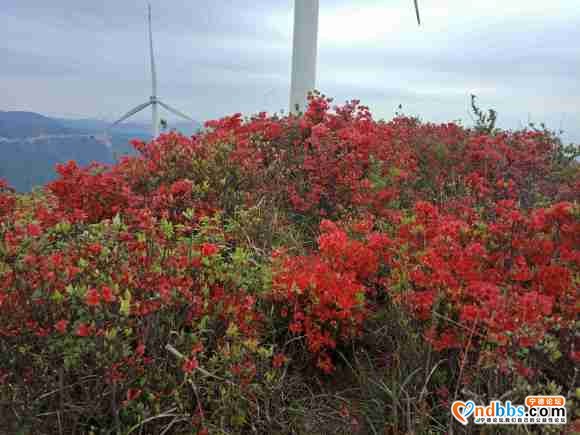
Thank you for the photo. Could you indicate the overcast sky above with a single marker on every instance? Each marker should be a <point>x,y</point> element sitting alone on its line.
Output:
<point>215,57</point>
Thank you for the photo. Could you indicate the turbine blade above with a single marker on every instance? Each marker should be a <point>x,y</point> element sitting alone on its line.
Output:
<point>131,113</point>
<point>152,56</point>
<point>174,111</point>
<point>417,12</point>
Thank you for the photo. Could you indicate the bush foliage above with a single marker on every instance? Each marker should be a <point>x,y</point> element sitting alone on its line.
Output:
<point>320,273</point>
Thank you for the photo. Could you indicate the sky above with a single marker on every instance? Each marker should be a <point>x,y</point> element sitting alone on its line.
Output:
<point>77,59</point>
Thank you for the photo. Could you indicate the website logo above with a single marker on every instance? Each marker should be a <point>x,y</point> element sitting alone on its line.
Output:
<point>537,410</point>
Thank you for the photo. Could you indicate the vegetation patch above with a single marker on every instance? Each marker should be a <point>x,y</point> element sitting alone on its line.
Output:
<point>321,273</point>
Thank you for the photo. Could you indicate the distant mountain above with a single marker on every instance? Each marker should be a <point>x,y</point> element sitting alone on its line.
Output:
<point>122,134</point>
<point>32,144</point>
<point>98,126</point>
<point>30,162</point>
<point>26,124</point>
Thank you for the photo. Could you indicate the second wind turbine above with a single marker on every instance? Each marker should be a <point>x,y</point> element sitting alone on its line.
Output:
<point>154,101</point>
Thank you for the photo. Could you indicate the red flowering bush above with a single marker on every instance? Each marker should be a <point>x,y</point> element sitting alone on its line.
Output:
<point>492,285</point>
<point>180,278</point>
<point>91,194</point>
<point>102,300</point>
<point>324,295</point>
<point>7,200</point>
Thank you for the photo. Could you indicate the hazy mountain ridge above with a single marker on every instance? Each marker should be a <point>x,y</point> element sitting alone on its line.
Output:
<point>89,125</point>
<point>32,144</point>
<point>19,124</point>
<point>31,163</point>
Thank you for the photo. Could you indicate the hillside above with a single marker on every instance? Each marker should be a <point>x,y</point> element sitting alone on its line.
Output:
<point>32,144</point>
<point>318,274</point>
<point>123,133</point>
<point>19,124</point>
<point>30,162</point>
<point>89,125</point>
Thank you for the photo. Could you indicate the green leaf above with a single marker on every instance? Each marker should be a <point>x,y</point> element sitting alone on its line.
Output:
<point>117,220</point>
<point>57,296</point>
<point>189,213</point>
<point>204,322</point>
<point>125,307</point>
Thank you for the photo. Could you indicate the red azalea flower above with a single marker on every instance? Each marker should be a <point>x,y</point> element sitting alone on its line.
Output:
<point>208,249</point>
<point>61,326</point>
<point>325,364</point>
<point>190,365</point>
<point>92,298</point>
<point>279,360</point>
<point>108,295</point>
<point>197,347</point>
<point>95,248</point>
<point>140,349</point>
<point>344,411</point>
<point>132,394</point>
<point>34,230</point>
<point>83,330</point>
<point>469,313</point>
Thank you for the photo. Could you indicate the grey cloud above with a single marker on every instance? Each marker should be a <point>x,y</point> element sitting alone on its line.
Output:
<point>545,51</point>
<point>222,56</point>
<point>19,64</point>
<point>206,18</point>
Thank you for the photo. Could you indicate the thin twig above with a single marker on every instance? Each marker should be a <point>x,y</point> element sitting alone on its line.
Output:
<point>168,413</point>
<point>204,372</point>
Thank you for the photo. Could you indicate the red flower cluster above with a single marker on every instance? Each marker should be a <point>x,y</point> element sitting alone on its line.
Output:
<point>94,297</point>
<point>475,237</point>
<point>90,194</point>
<point>324,295</point>
<point>503,282</point>
<point>7,200</point>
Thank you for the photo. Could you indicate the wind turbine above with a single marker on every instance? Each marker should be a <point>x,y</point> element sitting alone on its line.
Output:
<point>305,42</point>
<point>154,101</point>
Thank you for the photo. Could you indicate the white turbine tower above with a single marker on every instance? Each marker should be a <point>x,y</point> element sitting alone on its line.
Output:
<point>154,101</point>
<point>304,51</point>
